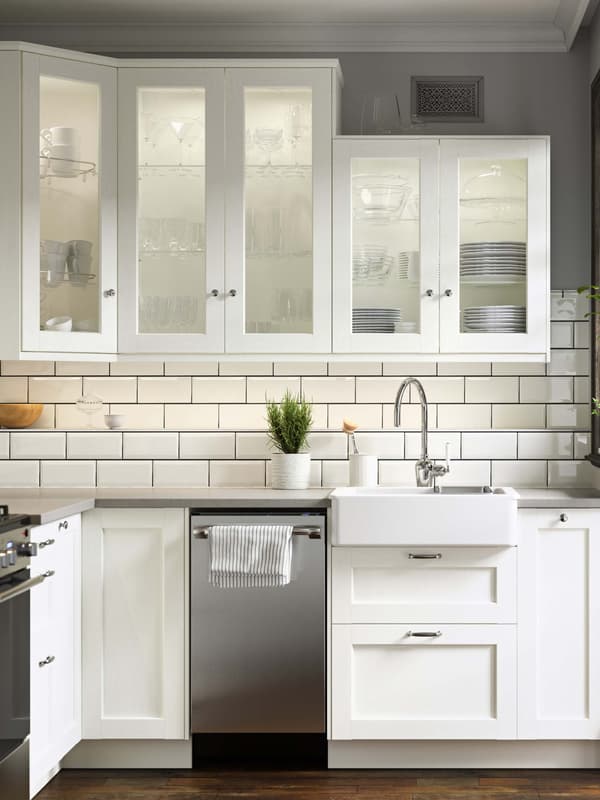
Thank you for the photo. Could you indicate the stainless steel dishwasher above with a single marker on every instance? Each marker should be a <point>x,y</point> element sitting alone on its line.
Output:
<point>258,655</point>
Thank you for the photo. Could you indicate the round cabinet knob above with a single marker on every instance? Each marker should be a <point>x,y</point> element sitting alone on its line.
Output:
<point>214,292</point>
<point>448,292</point>
<point>563,517</point>
<point>110,293</point>
<point>62,526</point>
<point>429,292</point>
<point>232,292</point>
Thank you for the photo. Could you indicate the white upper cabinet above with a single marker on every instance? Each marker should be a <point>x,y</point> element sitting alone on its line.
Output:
<point>278,236</point>
<point>69,204</point>
<point>385,278</point>
<point>441,247</point>
<point>171,212</point>
<point>494,246</point>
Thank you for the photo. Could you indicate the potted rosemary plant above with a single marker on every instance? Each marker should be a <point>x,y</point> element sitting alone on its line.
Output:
<point>289,423</point>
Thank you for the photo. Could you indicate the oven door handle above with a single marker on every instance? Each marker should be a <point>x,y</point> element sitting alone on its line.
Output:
<point>21,588</point>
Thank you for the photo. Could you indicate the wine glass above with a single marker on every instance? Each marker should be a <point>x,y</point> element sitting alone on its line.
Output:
<point>89,404</point>
<point>381,115</point>
<point>269,140</point>
<point>299,124</point>
<point>181,128</point>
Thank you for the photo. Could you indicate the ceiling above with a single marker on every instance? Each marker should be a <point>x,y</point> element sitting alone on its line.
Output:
<point>300,25</point>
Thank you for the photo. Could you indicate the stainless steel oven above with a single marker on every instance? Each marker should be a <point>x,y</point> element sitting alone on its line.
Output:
<point>15,583</point>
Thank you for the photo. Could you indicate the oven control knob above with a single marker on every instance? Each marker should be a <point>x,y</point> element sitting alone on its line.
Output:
<point>3,559</point>
<point>12,558</point>
<point>27,549</point>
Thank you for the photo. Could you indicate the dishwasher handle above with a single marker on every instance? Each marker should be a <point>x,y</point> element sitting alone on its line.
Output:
<point>312,531</point>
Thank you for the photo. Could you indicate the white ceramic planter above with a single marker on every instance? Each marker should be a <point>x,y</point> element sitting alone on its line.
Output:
<point>290,470</point>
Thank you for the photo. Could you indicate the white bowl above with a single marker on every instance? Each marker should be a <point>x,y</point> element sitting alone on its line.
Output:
<point>59,324</point>
<point>114,420</point>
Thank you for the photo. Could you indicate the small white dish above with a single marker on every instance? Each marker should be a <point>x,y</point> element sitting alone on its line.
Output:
<point>59,324</point>
<point>114,421</point>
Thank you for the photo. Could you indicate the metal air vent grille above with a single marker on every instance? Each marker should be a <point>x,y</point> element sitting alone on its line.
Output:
<point>454,99</point>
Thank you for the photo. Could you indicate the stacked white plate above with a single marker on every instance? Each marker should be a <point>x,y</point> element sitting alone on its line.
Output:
<point>375,320</point>
<point>406,327</point>
<point>495,319</point>
<point>493,262</point>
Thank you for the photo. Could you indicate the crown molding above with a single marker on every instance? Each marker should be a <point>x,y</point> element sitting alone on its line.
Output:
<point>135,37</point>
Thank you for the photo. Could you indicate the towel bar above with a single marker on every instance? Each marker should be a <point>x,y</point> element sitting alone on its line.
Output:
<point>312,531</point>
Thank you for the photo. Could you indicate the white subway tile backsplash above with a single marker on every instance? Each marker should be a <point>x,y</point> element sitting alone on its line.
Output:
<point>111,390</point>
<point>464,368</point>
<point>467,416</point>
<point>52,390</point>
<point>517,368</point>
<point>36,444</point>
<point>328,445</point>
<point>397,473</point>
<point>123,474</point>
<point>378,390</point>
<point>386,444</point>
<point>489,445</point>
<point>219,390</point>
<point>262,390</point>
<point>563,305</point>
<point>69,416</point>
<point>437,444</point>
<point>582,390</point>
<point>406,368</point>
<point>582,334</point>
<point>81,368</point>
<point>165,390</point>
<point>365,415</point>
<point>581,445</point>
<point>105,444</point>
<point>569,362</point>
<point>410,416</point>
<point>14,390</point>
<point>573,416</point>
<point>442,390</point>
<point>235,416</point>
<point>179,417</point>
<point>492,390</point>
<point>294,368</point>
<point>350,368</point>
<point>142,416</point>
<point>237,473</point>
<point>191,368</point>
<point>518,415</point>
<point>526,474</point>
<point>124,368</point>
<point>335,473</point>
<point>329,390</point>
<point>467,473</point>
<point>206,445</point>
<point>180,473</point>
<point>246,368</point>
<point>566,474</point>
<point>67,474</point>
<point>19,474</point>
<point>27,368</point>
<point>546,390</point>
<point>561,334</point>
<point>151,445</point>
<point>545,445</point>
<point>253,445</point>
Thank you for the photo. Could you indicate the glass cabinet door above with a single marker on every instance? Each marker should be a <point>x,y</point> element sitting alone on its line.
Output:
<point>171,210</point>
<point>278,256</point>
<point>69,206</point>
<point>494,248</point>
<point>385,245</point>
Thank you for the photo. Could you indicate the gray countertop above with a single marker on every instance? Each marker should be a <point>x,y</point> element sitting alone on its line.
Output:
<point>48,505</point>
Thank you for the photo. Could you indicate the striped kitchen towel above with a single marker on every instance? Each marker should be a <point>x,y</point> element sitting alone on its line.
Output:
<point>250,555</point>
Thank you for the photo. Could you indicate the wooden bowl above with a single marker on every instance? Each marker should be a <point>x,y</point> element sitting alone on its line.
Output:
<point>19,415</point>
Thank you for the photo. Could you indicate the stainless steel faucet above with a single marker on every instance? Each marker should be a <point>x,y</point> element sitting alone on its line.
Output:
<point>426,470</point>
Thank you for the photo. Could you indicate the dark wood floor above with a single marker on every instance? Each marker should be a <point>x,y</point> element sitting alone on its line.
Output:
<point>332,785</point>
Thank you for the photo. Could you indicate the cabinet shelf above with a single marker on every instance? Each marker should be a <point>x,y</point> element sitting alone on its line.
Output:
<point>49,165</point>
<point>52,279</point>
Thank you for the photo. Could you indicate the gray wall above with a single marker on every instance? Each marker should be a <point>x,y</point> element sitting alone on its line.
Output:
<point>525,93</point>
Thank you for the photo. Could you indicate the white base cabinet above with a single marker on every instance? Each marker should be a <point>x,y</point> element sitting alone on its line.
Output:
<point>389,683</point>
<point>135,642</point>
<point>55,673</point>
<point>559,621</point>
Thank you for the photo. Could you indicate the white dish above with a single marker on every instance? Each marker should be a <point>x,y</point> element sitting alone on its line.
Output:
<point>59,324</point>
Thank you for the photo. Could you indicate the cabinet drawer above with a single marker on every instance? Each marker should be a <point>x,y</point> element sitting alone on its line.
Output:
<point>459,683</point>
<point>428,584</point>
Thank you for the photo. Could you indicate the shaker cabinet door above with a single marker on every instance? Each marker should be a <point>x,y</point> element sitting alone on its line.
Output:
<point>69,202</point>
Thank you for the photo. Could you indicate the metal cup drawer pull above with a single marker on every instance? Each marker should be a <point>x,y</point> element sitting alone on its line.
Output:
<point>425,555</point>
<point>424,634</point>
<point>46,661</point>
<point>46,543</point>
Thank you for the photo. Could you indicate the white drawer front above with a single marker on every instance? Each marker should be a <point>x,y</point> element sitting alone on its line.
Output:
<point>444,585</point>
<point>390,684</point>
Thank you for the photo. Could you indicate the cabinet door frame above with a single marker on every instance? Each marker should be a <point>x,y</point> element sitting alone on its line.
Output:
<point>212,80</point>
<point>171,673</point>
<point>501,638</point>
<point>532,724</point>
<point>537,153</point>
<point>32,338</point>
<point>320,81</point>
<point>344,150</point>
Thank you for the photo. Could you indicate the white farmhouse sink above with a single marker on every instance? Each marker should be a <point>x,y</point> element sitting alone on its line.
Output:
<point>457,515</point>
